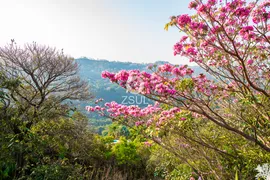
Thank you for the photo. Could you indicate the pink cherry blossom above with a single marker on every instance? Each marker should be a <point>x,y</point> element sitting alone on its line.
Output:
<point>250,62</point>
<point>183,20</point>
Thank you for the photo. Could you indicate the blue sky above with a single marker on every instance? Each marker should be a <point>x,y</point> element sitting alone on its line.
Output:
<point>121,30</point>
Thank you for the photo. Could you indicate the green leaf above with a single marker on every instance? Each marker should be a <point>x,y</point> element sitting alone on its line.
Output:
<point>167,26</point>
<point>236,175</point>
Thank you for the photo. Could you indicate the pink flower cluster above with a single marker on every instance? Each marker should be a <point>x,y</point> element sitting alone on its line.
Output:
<point>250,62</point>
<point>260,14</point>
<point>167,115</point>
<point>96,108</point>
<point>182,71</point>
<point>189,50</point>
<point>247,32</point>
<point>170,113</point>
<point>204,85</point>
<point>242,12</point>
<point>146,83</point>
<point>198,26</point>
<point>106,74</point>
<point>156,84</point>
<point>211,2</point>
<point>114,109</point>
<point>226,28</point>
<point>165,68</point>
<point>139,123</point>
<point>164,89</point>
<point>177,48</point>
<point>201,9</point>
<point>122,75</point>
<point>192,5</point>
<point>183,20</point>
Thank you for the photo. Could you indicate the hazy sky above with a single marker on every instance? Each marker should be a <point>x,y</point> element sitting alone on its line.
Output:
<point>122,30</point>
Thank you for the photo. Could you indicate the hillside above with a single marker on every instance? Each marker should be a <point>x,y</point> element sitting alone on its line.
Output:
<point>90,70</point>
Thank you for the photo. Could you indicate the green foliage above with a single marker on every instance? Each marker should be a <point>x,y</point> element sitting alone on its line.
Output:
<point>185,84</point>
<point>60,144</point>
<point>166,165</point>
<point>116,131</point>
<point>55,172</point>
<point>125,152</point>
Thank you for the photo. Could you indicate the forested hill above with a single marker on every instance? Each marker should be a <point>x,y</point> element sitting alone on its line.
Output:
<point>90,70</point>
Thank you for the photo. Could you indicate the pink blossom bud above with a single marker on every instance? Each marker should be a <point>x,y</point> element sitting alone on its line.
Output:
<point>250,62</point>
